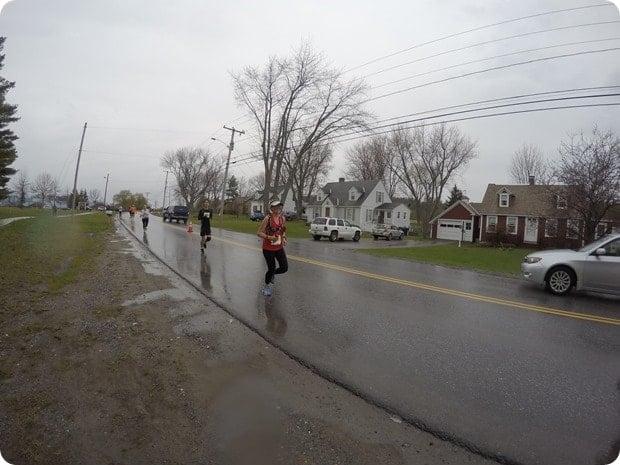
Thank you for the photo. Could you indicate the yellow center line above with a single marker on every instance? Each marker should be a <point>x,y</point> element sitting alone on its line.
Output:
<point>442,290</point>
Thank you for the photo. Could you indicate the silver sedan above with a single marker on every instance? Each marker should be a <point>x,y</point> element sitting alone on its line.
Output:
<point>595,267</point>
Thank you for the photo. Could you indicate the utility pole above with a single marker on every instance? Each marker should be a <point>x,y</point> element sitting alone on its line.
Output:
<point>105,193</point>
<point>163,203</point>
<point>231,146</point>
<point>77,167</point>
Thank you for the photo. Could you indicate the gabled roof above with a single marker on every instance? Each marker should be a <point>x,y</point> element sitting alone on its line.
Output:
<point>468,206</point>
<point>273,192</point>
<point>338,192</point>
<point>390,205</point>
<point>525,200</point>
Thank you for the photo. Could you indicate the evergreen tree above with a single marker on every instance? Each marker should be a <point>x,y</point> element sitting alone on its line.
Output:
<point>8,152</point>
<point>456,194</point>
<point>233,189</point>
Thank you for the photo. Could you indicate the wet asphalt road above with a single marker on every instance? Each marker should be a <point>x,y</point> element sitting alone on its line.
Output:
<point>486,361</point>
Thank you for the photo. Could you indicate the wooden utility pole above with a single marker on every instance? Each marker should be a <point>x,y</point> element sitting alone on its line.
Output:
<point>77,167</point>
<point>230,146</point>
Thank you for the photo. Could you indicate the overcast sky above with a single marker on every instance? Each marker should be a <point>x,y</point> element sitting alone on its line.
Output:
<point>151,76</point>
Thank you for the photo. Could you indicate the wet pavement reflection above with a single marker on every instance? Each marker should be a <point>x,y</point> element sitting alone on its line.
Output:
<point>442,347</point>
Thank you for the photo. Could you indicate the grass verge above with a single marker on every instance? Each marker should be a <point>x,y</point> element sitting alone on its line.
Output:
<point>470,256</point>
<point>47,252</point>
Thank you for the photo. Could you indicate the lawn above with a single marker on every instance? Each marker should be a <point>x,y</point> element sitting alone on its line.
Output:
<point>294,228</point>
<point>12,212</point>
<point>470,256</point>
<point>49,251</point>
<point>49,239</point>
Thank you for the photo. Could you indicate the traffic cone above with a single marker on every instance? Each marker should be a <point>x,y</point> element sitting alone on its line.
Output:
<point>190,229</point>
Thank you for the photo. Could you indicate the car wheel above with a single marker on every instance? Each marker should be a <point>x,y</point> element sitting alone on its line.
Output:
<point>317,237</point>
<point>389,237</point>
<point>400,238</point>
<point>333,236</point>
<point>560,280</point>
<point>375,237</point>
<point>356,236</point>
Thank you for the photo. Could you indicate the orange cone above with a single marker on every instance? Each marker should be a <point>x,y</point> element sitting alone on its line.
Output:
<point>190,229</point>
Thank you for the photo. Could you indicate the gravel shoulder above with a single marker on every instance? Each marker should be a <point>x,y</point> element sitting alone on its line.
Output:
<point>130,365</point>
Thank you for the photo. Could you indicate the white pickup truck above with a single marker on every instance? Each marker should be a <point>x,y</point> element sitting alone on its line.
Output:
<point>334,229</point>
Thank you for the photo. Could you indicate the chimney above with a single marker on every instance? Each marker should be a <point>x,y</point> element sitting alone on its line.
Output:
<point>532,181</point>
<point>340,179</point>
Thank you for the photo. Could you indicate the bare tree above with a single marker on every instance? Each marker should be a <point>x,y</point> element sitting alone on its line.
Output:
<point>196,171</point>
<point>371,160</point>
<point>529,162</point>
<point>257,183</point>
<point>296,103</point>
<point>93,195</point>
<point>20,187</point>
<point>426,160</point>
<point>589,169</point>
<point>305,170</point>
<point>43,186</point>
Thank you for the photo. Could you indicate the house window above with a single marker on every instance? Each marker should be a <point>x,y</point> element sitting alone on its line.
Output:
<point>491,224</point>
<point>379,197</point>
<point>350,214</point>
<point>572,228</point>
<point>398,215</point>
<point>511,225</point>
<point>388,215</point>
<point>404,215</point>
<point>352,195</point>
<point>368,215</point>
<point>560,202</point>
<point>504,199</point>
<point>551,227</point>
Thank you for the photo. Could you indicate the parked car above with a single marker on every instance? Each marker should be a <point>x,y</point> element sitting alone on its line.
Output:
<point>257,216</point>
<point>289,215</point>
<point>595,267</point>
<point>176,212</point>
<point>334,229</point>
<point>387,231</point>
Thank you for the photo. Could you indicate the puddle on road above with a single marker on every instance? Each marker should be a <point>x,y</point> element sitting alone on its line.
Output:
<point>172,293</point>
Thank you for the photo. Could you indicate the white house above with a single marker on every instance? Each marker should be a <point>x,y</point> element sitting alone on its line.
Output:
<point>258,201</point>
<point>363,203</point>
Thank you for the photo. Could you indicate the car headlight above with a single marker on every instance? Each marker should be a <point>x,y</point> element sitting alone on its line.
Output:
<point>532,259</point>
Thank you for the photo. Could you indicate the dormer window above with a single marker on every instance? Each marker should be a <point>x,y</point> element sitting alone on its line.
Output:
<point>504,199</point>
<point>560,203</point>
<point>319,196</point>
<point>379,197</point>
<point>353,194</point>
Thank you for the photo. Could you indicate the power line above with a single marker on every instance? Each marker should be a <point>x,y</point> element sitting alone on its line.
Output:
<point>494,57</point>
<point>147,130</point>
<point>515,36</point>
<point>495,68</point>
<point>151,157</point>
<point>531,110</point>
<point>514,97</point>
<point>477,29</point>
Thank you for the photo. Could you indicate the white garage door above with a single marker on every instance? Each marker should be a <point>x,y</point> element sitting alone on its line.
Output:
<point>451,230</point>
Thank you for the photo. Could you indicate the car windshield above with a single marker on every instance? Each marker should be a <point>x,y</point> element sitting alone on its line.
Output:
<point>594,245</point>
